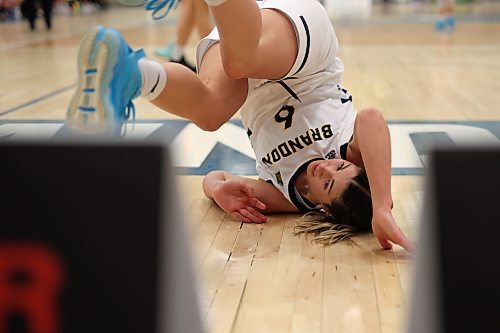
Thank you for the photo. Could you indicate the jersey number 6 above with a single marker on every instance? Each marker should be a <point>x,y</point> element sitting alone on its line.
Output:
<point>285,114</point>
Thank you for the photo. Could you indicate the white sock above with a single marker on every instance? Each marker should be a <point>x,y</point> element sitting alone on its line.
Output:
<point>214,3</point>
<point>177,52</point>
<point>154,78</point>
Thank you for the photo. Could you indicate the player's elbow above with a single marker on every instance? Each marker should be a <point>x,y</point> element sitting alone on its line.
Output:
<point>370,120</point>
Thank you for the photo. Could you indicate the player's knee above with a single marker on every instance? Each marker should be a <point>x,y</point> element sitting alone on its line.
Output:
<point>209,125</point>
<point>233,70</point>
<point>369,114</point>
<point>237,68</point>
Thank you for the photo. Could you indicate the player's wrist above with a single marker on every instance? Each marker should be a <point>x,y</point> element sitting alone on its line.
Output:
<point>383,208</point>
<point>382,201</point>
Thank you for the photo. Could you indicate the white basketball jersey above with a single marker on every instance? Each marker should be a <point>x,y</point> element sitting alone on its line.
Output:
<point>305,116</point>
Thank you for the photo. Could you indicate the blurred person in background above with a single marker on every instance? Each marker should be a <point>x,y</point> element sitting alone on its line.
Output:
<point>193,13</point>
<point>446,21</point>
<point>29,9</point>
<point>8,10</point>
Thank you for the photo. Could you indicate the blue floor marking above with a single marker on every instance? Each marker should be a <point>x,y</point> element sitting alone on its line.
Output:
<point>221,157</point>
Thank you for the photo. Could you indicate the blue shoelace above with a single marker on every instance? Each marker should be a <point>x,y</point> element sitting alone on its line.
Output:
<point>129,110</point>
<point>134,56</point>
<point>157,6</point>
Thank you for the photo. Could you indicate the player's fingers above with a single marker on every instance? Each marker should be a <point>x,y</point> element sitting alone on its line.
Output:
<point>401,240</point>
<point>256,213</point>
<point>249,215</point>
<point>257,203</point>
<point>237,216</point>
<point>385,243</point>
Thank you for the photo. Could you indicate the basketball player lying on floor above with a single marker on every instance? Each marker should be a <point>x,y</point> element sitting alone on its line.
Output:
<point>278,65</point>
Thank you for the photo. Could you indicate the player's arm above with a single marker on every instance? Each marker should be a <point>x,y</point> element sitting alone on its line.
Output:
<point>245,198</point>
<point>371,149</point>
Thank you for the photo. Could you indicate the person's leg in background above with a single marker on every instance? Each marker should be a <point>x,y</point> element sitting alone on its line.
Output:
<point>29,11</point>
<point>47,6</point>
<point>203,19</point>
<point>193,13</point>
<point>184,28</point>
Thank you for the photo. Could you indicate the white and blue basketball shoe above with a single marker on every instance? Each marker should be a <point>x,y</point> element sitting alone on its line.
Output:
<point>108,80</point>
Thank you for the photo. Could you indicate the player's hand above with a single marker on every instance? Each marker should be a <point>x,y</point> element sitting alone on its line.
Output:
<point>387,231</point>
<point>237,199</point>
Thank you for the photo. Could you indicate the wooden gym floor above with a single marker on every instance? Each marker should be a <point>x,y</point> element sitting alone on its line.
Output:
<point>262,278</point>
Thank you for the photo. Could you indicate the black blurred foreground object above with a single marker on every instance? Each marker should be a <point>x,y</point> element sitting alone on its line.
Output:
<point>92,240</point>
<point>456,285</point>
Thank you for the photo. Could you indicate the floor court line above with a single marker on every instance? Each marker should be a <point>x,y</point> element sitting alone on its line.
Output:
<point>36,100</point>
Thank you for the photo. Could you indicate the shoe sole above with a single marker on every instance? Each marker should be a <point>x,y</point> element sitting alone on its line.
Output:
<point>90,110</point>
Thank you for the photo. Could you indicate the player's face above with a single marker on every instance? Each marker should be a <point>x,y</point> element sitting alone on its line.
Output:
<point>327,179</point>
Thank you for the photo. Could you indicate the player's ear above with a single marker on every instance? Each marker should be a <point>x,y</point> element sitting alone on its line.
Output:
<point>353,151</point>
<point>327,210</point>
